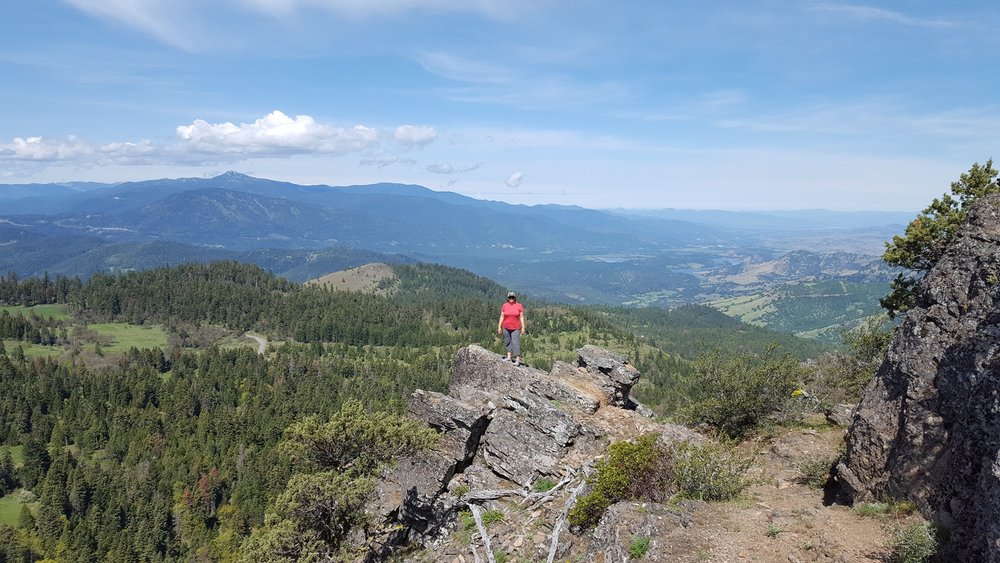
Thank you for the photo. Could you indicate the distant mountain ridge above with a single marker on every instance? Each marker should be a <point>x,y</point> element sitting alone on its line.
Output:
<point>561,253</point>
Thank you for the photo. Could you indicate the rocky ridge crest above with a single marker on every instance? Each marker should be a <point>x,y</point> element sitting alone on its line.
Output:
<point>503,428</point>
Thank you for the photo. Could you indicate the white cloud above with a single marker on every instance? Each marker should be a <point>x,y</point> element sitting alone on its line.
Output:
<point>515,180</point>
<point>411,136</point>
<point>520,86</point>
<point>876,118</point>
<point>368,8</point>
<point>449,169</point>
<point>199,25</point>
<point>381,161</point>
<point>169,21</point>
<point>44,149</point>
<point>275,134</point>
<point>869,13</point>
<point>72,149</point>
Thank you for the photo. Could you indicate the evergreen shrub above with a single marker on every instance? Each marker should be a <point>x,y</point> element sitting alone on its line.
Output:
<point>643,469</point>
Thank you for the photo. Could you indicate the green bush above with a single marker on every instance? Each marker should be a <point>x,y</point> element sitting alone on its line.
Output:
<point>638,548</point>
<point>632,470</point>
<point>543,485</point>
<point>645,470</point>
<point>871,509</point>
<point>915,543</point>
<point>896,508</point>
<point>737,392</point>
<point>816,471</point>
<point>492,516</point>
<point>468,522</point>
<point>842,376</point>
<point>709,471</point>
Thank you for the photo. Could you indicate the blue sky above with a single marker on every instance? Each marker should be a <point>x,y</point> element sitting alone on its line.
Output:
<point>639,104</point>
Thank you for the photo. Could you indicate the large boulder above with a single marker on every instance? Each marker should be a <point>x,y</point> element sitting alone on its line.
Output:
<point>928,427</point>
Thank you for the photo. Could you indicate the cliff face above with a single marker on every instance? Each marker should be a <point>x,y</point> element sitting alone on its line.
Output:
<point>928,427</point>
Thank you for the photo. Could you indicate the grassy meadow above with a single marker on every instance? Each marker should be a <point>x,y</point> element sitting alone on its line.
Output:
<point>57,312</point>
<point>124,336</point>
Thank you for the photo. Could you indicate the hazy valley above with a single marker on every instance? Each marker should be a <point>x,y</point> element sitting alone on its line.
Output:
<point>765,268</point>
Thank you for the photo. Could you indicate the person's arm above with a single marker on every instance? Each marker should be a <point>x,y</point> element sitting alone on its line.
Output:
<point>524,324</point>
<point>500,323</point>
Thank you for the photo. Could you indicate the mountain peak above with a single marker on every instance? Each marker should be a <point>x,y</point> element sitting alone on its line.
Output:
<point>232,176</point>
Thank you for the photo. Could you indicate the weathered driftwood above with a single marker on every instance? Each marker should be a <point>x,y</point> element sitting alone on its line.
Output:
<point>540,498</point>
<point>482,531</point>
<point>490,494</point>
<point>562,520</point>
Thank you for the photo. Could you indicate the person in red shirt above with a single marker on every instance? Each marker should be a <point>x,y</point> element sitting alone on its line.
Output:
<point>512,326</point>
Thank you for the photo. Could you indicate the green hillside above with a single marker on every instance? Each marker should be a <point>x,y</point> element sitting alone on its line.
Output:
<point>809,309</point>
<point>144,410</point>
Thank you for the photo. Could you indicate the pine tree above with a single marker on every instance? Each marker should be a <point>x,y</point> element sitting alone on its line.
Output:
<point>927,236</point>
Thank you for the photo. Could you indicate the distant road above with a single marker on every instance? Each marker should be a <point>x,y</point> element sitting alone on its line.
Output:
<point>261,342</point>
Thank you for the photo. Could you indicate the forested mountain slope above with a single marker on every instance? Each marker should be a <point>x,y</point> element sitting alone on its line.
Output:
<point>171,453</point>
<point>560,253</point>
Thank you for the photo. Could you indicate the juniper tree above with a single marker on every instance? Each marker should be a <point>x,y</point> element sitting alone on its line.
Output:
<point>927,236</point>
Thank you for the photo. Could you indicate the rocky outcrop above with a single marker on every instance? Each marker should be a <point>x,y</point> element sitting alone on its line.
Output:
<point>928,427</point>
<point>504,427</point>
<point>646,531</point>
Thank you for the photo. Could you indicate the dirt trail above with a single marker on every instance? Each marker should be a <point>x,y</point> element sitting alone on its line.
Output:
<point>260,340</point>
<point>786,520</point>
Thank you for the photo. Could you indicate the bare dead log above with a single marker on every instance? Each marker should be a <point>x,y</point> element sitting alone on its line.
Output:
<point>482,531</point>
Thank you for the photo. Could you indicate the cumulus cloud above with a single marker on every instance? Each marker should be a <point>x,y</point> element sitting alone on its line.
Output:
<point>72,149</point>
<point>412,136</point>
<point>276,134</point>
<point>515,179</point>
<point>449,169</point>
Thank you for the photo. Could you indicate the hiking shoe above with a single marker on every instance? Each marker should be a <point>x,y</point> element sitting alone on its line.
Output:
<point>517,363</point>
<point>505,359</point>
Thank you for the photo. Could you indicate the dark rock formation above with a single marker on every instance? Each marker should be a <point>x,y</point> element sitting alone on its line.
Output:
<point>504,427</point>
<point>928,427</point>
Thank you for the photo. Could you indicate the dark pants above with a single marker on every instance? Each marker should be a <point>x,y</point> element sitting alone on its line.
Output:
<point>512,341</point>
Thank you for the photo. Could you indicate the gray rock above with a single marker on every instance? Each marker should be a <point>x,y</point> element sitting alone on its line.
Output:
<point>503,427</point>
<point>518,448</point>
<point>840,415</point>
<point>928,427</point>
<point>608,371</point>
<point>458,420</point>
<point>663,525</point>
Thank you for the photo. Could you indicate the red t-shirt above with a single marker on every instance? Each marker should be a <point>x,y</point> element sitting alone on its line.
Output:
<point>511,315</point>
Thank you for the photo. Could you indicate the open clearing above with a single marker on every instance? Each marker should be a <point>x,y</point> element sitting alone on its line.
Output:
<point>57,312</point>
<point>33,350</point>
<point>10,509</point>
<point>125,336</point>
<point>16,452</point>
